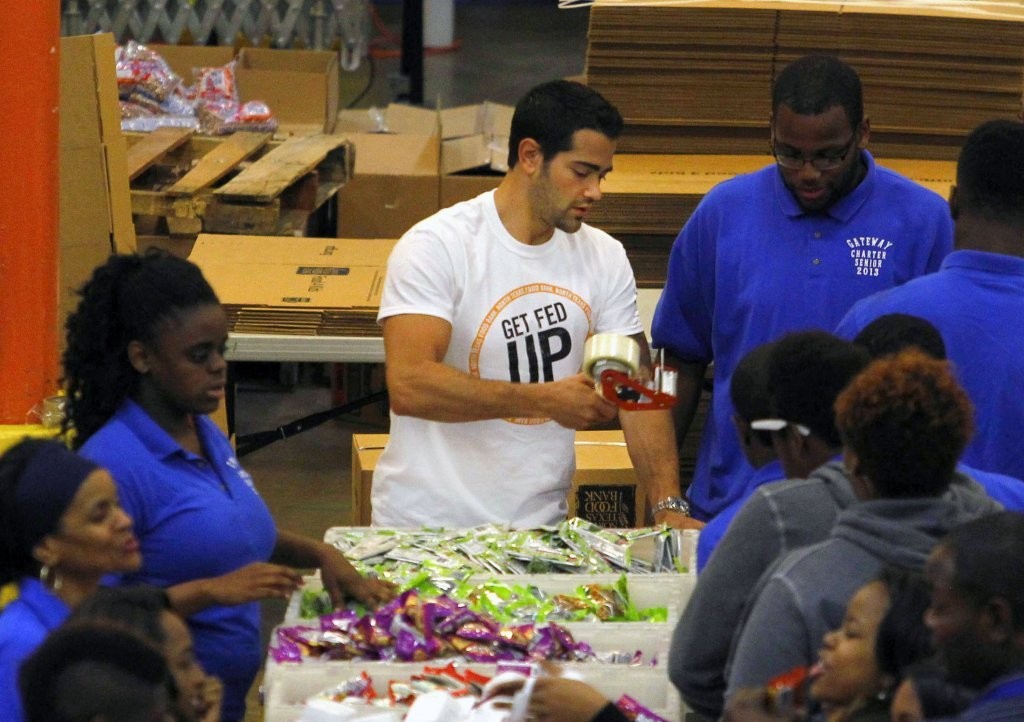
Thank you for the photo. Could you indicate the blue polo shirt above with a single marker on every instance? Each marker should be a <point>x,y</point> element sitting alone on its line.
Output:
<point>750,266</point>
<point>1001,701</point>
<point>976,301</point>
<point>195,519</point>
<point>24,623</point>
<point>1007,490</point>
<point>715,529</point>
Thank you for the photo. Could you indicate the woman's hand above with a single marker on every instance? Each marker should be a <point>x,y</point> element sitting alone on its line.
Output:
<point>253,582</point>
<point>342,581</point>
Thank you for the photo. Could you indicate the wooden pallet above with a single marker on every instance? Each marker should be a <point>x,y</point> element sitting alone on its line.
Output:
<point>242,183</point>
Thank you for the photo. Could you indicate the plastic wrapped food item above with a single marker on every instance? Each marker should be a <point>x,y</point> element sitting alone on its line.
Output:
<point>414,629</point>
<point>142,71</point>
<point>574,546</point>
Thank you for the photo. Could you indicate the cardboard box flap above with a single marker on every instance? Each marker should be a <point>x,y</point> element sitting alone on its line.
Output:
<point>296,286</point>
<point>300,86</point>
<point>275,250</point>
<point>462,121</point>
<point>411,120</point>
<point>367,120</point>
<point>458,154</point>
<point>391,154</point>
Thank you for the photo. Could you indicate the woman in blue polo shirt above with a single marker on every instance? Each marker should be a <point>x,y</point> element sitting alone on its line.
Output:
<point>61,530</point>
<point>144,365</point>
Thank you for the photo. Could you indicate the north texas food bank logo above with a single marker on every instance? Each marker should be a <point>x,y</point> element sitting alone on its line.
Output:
<point>868,254</point>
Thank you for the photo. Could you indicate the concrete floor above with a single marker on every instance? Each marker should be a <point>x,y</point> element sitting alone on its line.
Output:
<point>504,49</point>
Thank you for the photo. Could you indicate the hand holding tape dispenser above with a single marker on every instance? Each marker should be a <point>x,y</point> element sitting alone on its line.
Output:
<point>613,362</point>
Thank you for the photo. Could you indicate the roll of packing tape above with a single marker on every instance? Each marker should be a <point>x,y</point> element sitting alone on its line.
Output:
<point>604,351</point>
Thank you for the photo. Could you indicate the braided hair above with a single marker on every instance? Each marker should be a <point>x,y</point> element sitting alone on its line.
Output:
<point>128,298</point>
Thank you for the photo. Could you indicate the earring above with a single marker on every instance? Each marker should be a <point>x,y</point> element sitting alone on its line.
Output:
<point>45,574</point>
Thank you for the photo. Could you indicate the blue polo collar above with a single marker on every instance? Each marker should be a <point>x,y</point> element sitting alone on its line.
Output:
<point>152,435</point>
<point>995,263</point>
<point>844,209</point>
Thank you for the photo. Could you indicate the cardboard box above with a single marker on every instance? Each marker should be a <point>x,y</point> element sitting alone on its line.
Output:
<point>468,184</point>
<point>604,489</point>
<point>95,203</point>
<point>395,185</point>
<point>300,86</point>
<point>475,136</point>
<point>405,153</point>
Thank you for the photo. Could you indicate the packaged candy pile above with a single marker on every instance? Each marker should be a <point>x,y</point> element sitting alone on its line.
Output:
<point>508,603</point>
<point>438,694</point>
<point>575,546</point>
<point>153,96</point>
<point>413,628</point>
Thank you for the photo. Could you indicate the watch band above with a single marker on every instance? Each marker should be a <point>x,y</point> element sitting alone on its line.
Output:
<point>672,503</point>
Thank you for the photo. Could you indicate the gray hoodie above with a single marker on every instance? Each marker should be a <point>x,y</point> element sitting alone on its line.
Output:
<point>805,595</point>
<point>778,518</point>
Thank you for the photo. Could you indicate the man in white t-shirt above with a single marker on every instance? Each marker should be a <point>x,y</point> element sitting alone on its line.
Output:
<point>485,311</point>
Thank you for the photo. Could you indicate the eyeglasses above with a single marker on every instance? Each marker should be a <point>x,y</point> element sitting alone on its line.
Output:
<point>829,160</point>
<point>778,425</point>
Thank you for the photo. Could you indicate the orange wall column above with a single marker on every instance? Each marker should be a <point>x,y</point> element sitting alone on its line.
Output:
<point>29,96</point>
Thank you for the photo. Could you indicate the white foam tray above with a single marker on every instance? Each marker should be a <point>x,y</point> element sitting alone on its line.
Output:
<point>287,686</point>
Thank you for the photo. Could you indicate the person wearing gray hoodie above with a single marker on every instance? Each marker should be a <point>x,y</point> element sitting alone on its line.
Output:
<point>805,373</point>
<point>904,422</point>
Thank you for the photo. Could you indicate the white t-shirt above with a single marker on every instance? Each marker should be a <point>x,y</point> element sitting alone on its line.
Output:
<point>518,313</point>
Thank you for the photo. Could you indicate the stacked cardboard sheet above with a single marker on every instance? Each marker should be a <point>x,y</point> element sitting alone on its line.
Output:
<point>695,76</point>
<point>648,198</point>
<point>297,286</point>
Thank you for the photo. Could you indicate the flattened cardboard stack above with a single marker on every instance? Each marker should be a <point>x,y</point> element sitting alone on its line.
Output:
<point>296,286</point>
<point>696,76</point>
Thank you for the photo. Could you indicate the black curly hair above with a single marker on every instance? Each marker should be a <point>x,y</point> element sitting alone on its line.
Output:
<point>130,297</point>
<point>17,560</point>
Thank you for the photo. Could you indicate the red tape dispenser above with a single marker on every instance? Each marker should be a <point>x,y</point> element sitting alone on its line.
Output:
<point>613,362</point>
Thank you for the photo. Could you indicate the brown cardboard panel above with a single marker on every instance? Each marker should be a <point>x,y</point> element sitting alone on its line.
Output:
<point>471,151</point>
<point>84,228</point>
<point>277,250</point>
<point>604,489</point>
<point>300,86</point>
<point>457,188</point>
<point>334,285</point>
<point>394,154</point>
<point>385,206</point>
<point>94,203</point>
<point>80,125</point>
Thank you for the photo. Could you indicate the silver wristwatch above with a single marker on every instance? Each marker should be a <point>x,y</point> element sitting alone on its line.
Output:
<point>672,503</point>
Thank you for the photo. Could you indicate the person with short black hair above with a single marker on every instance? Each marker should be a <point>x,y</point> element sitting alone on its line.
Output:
<point>926,694</point>
<point>804,375</point>
<point>62,529</point>
<point>977,613</point>
<point>904,422</point>
<point>485,311</point>
<point>147,611</point>
<point>975,299</point>
<point>751,400</point>
<point>788,248</point>
<point>96,672</point>
<point>895,332</point>
<point>144,366</point>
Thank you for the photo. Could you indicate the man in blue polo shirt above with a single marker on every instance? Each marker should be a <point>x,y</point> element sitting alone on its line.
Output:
<point>976,300</point>
<point>790,247</point>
